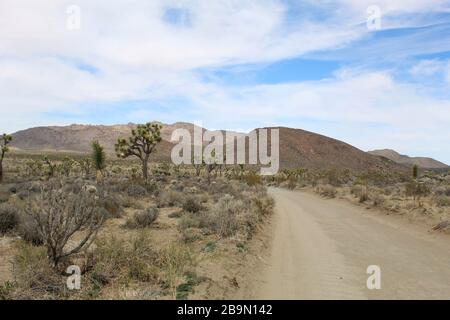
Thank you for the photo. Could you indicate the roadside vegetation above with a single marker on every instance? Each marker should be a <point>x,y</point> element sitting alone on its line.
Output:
<point>135,230</point>
<point>416,194</point>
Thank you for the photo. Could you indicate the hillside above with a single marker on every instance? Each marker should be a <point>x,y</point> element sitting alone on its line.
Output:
<point>298,148</point>
<point>422,162</point>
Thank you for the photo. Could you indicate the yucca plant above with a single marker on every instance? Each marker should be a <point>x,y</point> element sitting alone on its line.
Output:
<point>5,139</point>
<point>99,159</point>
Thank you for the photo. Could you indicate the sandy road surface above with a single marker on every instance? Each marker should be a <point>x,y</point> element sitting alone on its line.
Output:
<point>321,250</point>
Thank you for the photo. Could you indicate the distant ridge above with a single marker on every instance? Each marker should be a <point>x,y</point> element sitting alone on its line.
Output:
<point>422,162</point>
<point>298,148</point>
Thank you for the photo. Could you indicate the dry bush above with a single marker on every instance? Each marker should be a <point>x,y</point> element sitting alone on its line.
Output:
<point>363,197</point>
<point>357,190</point>
<point>190,234</point>
<point>60,215</point>
<point>124,259</point>
<point>223,216</point>
<point>291,183</point>
<point>9,218</point>
<point>378,199</point>
<point>252,178</point>
<point>34,277</point>
<point>143,218</point>
<point>170,198</point>
<point>327,191</point>
<point>192,204</point>
<point>442,201</point>
<point>222,219</point>
<point>263,206</point>
<point>112,205</point>
<point>136,190</point>
<point>442,191</point>
<point>28,230</point>
<point>4,197</point>
<point>175,259</point>
<point>192,221</point>
<point>417,190</point>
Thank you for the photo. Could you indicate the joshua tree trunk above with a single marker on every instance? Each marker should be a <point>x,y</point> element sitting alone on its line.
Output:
<point>145,168</point>
<point>1,171</point>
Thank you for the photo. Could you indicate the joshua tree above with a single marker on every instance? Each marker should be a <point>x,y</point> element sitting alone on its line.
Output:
<point>98,158</point>
<point>4,141</point>
<point>141,144</point>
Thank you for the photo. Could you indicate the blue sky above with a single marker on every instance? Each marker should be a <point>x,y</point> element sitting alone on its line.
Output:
<point>235,65</point>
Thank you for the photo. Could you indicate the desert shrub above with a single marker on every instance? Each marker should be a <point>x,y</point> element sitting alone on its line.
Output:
<point>9,218</point>
<point>252,178</point>
<point>136,190</point>
<point>28,230</point>
<point>416,189</point>
<point>79,212</point>
<point>143,218</point>
<point>170,198</point>
<point>442,201</point>
<point>357,190</point>
<point>442,191</point>
<point>176,214</point>
<point>291,183</point>
<point>192,204</point>
<point>175,259</point>
<point>153,188</point>
<point>327,191</point>
<point>35,279</point>
<point>113,206</point>
<point>363,197</point>
<point>378,199</point>
<point>127,259</point>
<point>190,235</point>
<point>263,206</point>
<point>4,197</point>
<point>223,217</point>
<point>192,221</point>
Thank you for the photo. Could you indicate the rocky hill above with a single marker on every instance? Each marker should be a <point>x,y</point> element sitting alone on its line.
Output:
<point>298,148</point>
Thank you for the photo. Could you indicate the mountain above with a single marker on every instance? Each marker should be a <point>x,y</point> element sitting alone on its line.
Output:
<point>298,148</point>
<point>422,162</point>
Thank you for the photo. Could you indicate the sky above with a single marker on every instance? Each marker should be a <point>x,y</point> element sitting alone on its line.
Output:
<point>375,74</point>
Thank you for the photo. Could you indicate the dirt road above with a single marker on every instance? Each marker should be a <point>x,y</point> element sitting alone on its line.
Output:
<point>321,250</point>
